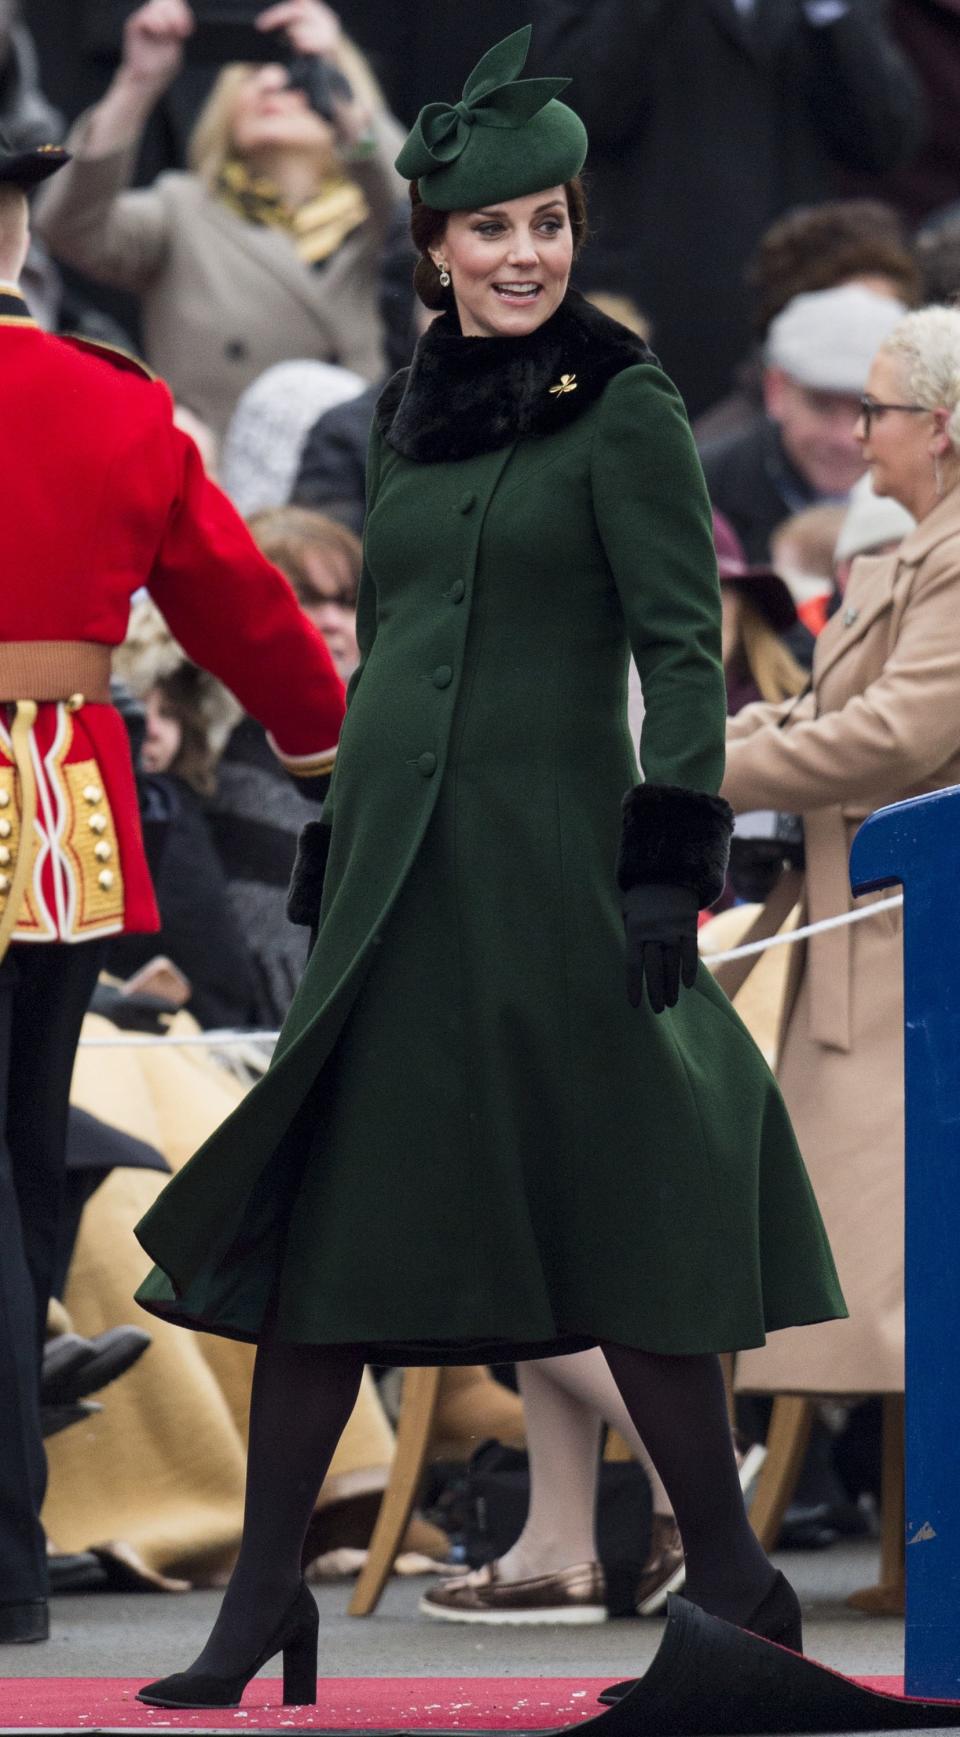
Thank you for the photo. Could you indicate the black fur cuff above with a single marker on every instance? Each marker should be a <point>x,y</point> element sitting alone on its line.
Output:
<point>680,838</point>
<point>306,882</point>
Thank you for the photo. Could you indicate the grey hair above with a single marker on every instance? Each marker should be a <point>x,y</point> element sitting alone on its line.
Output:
<point>928,344</point>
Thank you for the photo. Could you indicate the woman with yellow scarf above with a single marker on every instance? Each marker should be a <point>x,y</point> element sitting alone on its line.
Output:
<point>268,248</point>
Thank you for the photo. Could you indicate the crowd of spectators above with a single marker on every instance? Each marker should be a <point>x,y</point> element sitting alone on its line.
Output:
<point>773,185</point>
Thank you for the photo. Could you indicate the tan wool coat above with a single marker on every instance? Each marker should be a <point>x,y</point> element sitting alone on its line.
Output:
<point>222,299</point>
<point>881,724</point>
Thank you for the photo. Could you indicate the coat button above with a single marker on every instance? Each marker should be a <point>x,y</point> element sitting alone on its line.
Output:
<point>97,823</point>
<point>5,829</point>
<point>105,879</point>
<point>92,793</point>
<point>468,502</point>
<point>427,764</point>
<point>4,884</point>
<point>4,799</point>
<point>6,856</point>
<point>442,676</point>
<point>102,850</point>
<point>458,591</point>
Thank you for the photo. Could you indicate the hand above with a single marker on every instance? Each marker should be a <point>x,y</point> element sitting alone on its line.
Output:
<point>153,40</point>
<point>312,26</point>
<point>661,932</point>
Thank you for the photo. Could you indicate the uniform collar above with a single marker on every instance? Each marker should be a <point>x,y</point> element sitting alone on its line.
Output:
<point>13,308</point>
<point>464,396</point>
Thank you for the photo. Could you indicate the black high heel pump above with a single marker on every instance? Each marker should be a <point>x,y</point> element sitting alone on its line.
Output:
<point>777,1618</point>
<point>295,1635</point>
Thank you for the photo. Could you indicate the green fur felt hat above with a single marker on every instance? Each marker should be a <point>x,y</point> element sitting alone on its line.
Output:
<point>508,136</point>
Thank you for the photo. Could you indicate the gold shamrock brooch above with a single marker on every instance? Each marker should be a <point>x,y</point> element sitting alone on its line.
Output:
<point>568,383</point>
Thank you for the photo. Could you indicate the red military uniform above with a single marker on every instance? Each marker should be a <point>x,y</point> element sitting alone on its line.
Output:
<point>103,495</point>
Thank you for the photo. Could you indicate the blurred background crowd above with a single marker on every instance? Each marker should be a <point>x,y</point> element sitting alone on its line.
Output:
<point>772,185</point>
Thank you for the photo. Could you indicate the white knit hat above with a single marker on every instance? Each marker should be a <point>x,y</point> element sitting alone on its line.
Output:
<point>871,521</point>
<point>828,339</point>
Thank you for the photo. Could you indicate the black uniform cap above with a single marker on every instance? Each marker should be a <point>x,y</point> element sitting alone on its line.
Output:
<point>26,169</point>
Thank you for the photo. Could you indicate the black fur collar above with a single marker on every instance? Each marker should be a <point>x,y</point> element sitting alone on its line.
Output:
<point>463,396</point>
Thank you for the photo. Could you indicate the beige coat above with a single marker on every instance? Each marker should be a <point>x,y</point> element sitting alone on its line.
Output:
<point>882,724</point>
<point>222,299</point>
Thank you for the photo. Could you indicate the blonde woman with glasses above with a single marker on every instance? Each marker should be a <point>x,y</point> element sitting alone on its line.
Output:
<point>881,723</point>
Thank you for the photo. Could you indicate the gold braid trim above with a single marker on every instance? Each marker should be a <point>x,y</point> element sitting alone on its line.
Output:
<point>23,723</point>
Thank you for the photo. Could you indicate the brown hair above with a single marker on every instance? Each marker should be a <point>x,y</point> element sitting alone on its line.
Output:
<point>819,247</point>
<point>286,534</point>
<point>427,227</point>
<point>185,691</point>
<point>814,531</point>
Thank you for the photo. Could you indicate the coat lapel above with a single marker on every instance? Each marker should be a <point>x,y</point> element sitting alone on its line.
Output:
<point>275,252</point>
<point>868,594</point>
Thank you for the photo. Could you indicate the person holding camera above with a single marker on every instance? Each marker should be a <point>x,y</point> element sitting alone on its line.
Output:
<point>268,247</point>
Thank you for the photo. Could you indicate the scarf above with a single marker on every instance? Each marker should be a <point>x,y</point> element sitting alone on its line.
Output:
<point>317,228</point>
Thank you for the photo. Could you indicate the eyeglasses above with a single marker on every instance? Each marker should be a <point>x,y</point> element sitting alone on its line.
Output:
<point>869,408</point>
<point>343,598</point>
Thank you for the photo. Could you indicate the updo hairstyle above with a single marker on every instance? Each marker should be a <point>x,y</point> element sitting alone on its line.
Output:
<point>927,343</point>
<point>427,227</point>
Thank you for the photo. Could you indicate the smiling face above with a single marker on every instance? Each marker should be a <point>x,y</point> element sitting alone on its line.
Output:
<point>268,117</point>
<point>510,263</point>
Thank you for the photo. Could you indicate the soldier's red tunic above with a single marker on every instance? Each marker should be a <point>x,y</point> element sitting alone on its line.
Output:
<point>101,495</point>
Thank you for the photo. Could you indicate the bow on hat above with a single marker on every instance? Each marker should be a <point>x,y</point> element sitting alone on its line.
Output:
<point>493,96</point>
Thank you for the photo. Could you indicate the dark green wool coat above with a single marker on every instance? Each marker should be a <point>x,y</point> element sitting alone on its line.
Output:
<point>469,1145</point>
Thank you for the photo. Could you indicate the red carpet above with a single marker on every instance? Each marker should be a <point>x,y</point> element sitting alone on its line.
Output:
<point>343,1704</point>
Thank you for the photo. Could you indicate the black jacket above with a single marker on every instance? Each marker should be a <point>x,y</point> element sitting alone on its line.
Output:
<point>704,127</point>
<point>332,474</point>
<point>752,482</point>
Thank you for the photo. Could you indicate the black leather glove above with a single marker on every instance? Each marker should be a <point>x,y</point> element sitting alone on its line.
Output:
<point>661,931</point>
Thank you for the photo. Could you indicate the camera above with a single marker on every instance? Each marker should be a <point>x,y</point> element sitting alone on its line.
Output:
<point>225,31</point>
<point>322,83</point>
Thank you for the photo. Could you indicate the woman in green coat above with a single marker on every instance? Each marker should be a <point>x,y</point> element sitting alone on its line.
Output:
<point>478,1138</point>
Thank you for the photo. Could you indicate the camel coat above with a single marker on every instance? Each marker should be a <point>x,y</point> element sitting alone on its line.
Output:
<point>222,299</point>
<point>882,724</point>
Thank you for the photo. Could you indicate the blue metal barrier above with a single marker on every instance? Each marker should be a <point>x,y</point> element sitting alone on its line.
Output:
<point>918,844</point>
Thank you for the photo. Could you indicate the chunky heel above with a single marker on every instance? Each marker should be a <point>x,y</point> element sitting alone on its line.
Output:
<point>295,1636</point>
<point>300,1671</point>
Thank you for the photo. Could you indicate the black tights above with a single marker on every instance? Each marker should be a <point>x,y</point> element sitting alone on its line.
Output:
<point>301,1401</point>
<point>679,1408</point>
<point>303,1396</point>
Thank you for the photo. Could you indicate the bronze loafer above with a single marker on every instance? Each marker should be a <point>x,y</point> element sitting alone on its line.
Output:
<point>573,1595</point>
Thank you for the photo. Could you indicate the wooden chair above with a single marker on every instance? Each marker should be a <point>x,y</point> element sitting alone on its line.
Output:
<point>787,1440</point>
<point>421,1388</point>
<point>418,1406</point>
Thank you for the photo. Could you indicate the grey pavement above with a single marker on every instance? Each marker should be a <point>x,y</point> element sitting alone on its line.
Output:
<point>151,1634</point>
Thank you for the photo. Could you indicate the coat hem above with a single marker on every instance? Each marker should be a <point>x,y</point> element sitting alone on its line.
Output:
<point>439,1353</point>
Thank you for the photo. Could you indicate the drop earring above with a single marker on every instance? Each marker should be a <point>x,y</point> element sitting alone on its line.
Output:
<point>444,274</point>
